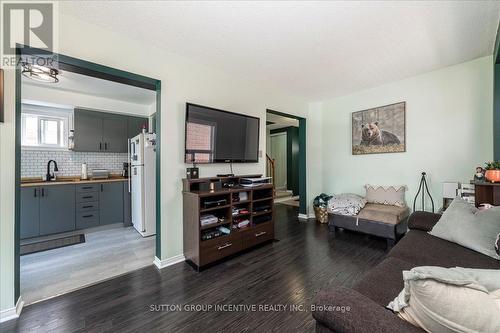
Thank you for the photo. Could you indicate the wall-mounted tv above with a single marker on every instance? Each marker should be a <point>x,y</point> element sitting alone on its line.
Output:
<point>217,136</point>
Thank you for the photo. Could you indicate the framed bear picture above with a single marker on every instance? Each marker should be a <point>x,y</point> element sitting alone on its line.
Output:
<point>379,130</point>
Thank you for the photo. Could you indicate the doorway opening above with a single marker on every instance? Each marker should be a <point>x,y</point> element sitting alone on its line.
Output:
<point>285,156</point>
<point>87,177</point>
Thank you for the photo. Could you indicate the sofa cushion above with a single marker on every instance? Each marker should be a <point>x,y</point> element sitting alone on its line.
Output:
<point>423,220</point>
<point>346,310</point>
<point>388,279</point>
<point>386,195</point>
<point>384,213</point>
<point>464,224</point>
<point>422,249</point>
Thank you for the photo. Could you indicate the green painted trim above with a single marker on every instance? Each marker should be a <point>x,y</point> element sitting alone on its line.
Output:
<point>496,113</point>
<point>17,182</point>
<point>284,114</point>
<point>158,170</point>
<point>86,66</point>
<point>92,68</point>
<point>302,167</point>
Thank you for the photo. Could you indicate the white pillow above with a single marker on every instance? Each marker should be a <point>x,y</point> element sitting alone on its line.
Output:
<point>440,299</point>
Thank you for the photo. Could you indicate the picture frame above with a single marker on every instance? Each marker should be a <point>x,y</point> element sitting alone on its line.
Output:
<point>379,130</point>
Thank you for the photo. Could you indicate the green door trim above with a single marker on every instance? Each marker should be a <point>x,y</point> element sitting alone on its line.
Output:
<point>496,97</point>
<point>302,159</point>
<point>92,69</point>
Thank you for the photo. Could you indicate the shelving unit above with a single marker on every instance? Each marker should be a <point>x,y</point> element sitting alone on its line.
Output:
<point>199,252</point>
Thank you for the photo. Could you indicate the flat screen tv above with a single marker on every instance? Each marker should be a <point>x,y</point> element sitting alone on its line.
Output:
<point>217,136</point>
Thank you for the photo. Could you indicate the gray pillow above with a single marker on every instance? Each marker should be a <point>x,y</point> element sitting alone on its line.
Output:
<point>464,224</point>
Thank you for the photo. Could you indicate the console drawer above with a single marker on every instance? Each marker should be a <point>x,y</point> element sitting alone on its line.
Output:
<point>84,206</point>
<point>258,234</point>
<point>87,196</point>
<point>216,249</point>
<point>87,219</point>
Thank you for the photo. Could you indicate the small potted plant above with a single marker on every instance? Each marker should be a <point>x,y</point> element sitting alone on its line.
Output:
<point>320,204</point>
<point>493,171</point>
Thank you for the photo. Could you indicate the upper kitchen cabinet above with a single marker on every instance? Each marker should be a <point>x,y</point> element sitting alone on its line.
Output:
<point>135,125</point>
<point>105,132</point>
<point>88,131</point>
<point>114,133</point>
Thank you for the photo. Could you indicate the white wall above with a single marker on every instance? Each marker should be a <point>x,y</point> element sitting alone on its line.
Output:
<point>448,131</point>
<point>75,99</point>
<point>182,81</point>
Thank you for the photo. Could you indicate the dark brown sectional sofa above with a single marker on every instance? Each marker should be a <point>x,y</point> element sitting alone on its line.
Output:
<point>368,298</point>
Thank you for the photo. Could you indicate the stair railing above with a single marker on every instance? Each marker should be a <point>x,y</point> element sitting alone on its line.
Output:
<point>271,170</point>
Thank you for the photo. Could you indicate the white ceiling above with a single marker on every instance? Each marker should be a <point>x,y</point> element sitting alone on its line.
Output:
<point>87,85</point>
<point>314,49</point>
<point>280,121</point>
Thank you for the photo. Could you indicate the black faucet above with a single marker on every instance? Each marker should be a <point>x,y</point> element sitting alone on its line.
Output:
<point>49,175</point>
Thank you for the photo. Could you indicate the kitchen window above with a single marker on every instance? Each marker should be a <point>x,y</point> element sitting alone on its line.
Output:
<point>45,127</point>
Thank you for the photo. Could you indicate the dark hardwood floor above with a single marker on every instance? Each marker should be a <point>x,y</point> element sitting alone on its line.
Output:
<point>287,272</point>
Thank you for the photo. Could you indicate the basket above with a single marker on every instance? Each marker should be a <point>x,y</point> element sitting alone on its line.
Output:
<point>321,214</point>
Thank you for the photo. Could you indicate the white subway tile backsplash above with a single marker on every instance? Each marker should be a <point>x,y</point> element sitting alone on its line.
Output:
<point>34,162</point>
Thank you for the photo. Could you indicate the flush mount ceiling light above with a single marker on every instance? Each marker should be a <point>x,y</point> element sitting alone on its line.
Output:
<point>40,73</point>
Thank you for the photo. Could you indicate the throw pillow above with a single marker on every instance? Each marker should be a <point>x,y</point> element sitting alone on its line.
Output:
<point>439,299</point>
<point>386,195</point>
<point>464,224</point>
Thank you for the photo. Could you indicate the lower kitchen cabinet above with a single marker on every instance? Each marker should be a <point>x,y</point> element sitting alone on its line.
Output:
<point>30,212</point>
<point>111,203</point>
<point>54,209</point>
<point>57,209</point>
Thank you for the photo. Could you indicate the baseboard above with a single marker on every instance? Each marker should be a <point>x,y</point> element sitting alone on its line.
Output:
<point>306,216</point>
<point>169,261</point>
<point>12,313</point>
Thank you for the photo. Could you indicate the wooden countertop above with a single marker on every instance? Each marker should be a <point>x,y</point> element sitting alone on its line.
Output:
<point>29,182</point>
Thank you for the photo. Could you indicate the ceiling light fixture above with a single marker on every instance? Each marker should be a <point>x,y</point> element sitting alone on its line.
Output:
<point>40,73</point>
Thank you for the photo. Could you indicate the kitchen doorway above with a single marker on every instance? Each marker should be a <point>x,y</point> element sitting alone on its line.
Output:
<point>80,228</point>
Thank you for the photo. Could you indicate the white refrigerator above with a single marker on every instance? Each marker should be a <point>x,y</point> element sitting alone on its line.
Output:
<point>143,183</point>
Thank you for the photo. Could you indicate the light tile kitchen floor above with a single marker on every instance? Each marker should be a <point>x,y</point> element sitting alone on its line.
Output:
<point>105,254</point>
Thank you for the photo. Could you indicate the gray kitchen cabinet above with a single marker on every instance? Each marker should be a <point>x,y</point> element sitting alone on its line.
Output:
<point>57,209</point>
<point>127,206</point>
<point>30,213</point>
<point>111,203</point>
<point>88,131</point>
<point>114,134</point>
<point>135,125</point>
<point>101,131</point>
